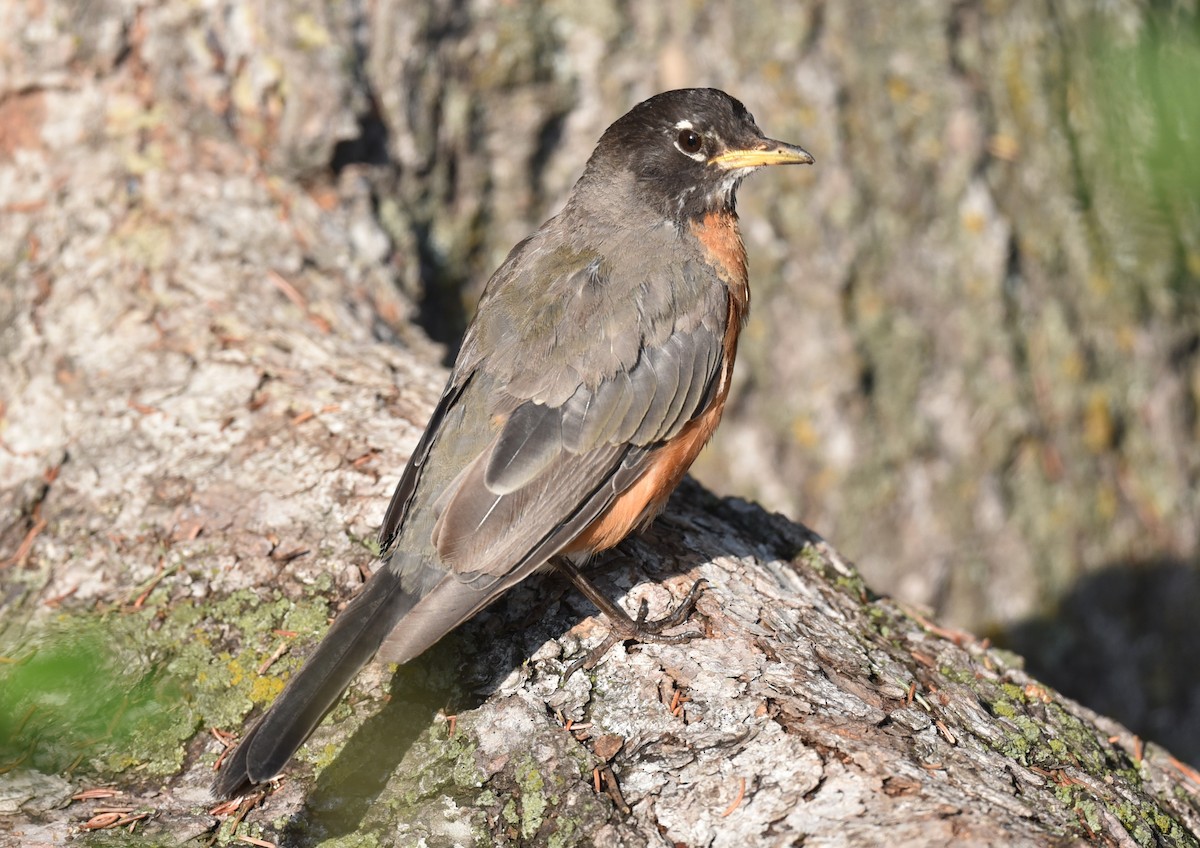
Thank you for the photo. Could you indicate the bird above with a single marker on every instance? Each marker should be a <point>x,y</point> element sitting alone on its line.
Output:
<point>596,367</point>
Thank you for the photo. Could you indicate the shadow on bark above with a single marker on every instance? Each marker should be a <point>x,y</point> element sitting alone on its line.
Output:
<point>353,782</point>
<point>456,676</point>
<point>1124,642</point>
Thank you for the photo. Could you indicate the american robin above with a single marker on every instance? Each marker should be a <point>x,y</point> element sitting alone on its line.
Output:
<point>595,370</point>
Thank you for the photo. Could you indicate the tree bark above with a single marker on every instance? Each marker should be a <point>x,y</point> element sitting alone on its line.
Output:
<point>211,379</point>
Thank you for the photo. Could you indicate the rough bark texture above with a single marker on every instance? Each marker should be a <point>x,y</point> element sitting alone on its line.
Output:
<point>218,227</point>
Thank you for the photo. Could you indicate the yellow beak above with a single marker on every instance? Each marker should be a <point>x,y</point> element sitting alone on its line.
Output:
<point>771,152</point>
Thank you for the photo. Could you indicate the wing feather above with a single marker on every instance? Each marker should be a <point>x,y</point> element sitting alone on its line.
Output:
<point>585,367</point>
<point>550,464</point>
<point>529,442</point>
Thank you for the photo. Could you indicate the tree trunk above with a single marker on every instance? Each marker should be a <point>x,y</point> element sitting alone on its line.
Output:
<point>211,379</point>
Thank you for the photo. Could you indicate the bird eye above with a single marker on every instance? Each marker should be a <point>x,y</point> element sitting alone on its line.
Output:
<point>689,141</point>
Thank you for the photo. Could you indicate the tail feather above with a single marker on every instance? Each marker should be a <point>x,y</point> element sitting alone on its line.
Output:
<point>351,642</point>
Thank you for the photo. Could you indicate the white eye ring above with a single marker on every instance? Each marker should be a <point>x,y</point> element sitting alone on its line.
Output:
<point>689,142</point>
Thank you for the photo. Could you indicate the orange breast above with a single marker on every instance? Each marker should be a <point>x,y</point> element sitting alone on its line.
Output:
<point>642,501</point>
<point>722,240</point>
<point>646,498</point>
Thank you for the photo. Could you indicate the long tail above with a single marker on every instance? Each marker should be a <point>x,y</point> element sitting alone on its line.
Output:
<point>351,642</point>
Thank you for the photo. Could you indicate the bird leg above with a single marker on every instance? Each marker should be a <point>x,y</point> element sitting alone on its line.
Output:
<point>622,627</point>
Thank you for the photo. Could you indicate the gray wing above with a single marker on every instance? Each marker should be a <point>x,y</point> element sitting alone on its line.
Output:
<point>552,470</point>
<point>407,487</point>
<point>574,371</point>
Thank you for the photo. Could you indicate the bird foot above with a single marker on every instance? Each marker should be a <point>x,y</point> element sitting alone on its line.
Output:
<point>622,628</point>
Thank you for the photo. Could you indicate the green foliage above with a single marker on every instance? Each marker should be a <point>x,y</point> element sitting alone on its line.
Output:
<point>122,692</point>
<point>82,695</point>
<point>1145,92</point>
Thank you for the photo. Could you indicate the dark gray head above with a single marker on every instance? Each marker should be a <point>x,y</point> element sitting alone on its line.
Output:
<point>687,151</point>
